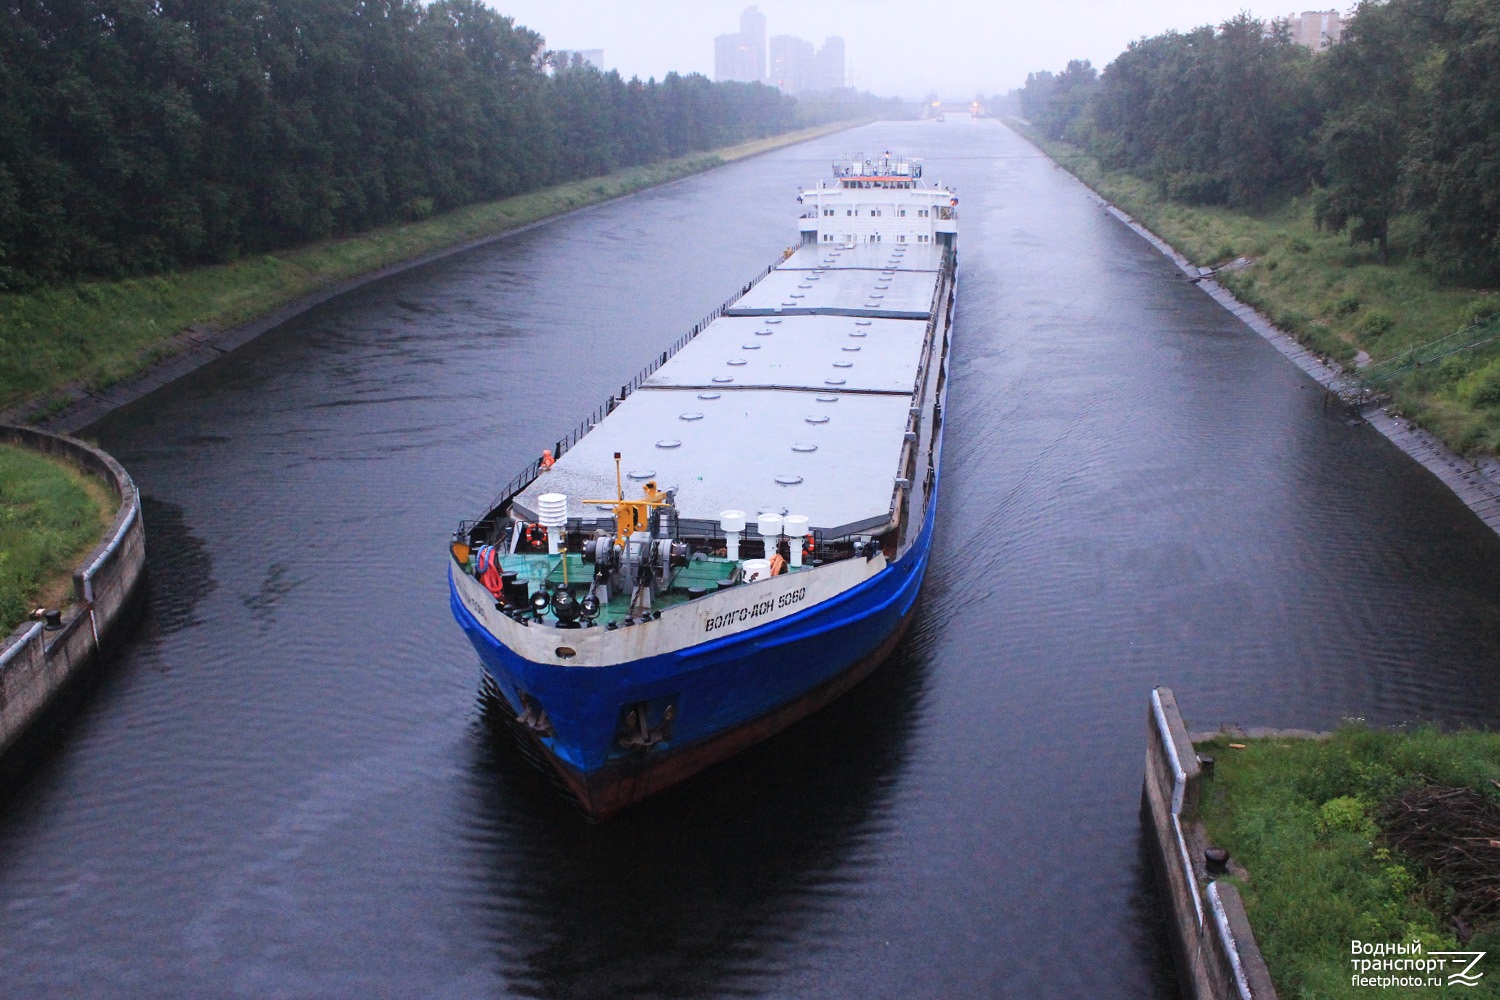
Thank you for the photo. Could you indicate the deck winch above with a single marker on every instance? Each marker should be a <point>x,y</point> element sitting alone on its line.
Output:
<point>639,559</point>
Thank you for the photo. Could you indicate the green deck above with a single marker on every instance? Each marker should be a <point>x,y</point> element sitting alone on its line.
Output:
<point>538,568</point>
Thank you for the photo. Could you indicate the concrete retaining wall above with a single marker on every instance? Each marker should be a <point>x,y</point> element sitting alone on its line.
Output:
<point>1217,957</point>
<point>35,664</point>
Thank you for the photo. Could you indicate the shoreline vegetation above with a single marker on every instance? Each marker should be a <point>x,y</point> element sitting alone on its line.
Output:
<point>1337,299</point>
<point>169,169</point>
<point>1347,188</point>
<point>94,334</point>
<point>51,515</point>
<point>1364,836</point>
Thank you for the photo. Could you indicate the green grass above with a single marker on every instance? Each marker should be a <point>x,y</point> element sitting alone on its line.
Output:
<point>1300,816</point>
<point>99,333</point>
<point>51,515</point>
<point>1335,298</point>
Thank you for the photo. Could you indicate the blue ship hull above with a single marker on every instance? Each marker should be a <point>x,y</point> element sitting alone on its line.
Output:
<point>633,660</point>
<point>726,694</point>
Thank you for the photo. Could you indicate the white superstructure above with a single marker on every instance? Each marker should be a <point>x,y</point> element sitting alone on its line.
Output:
<point>878,200</point>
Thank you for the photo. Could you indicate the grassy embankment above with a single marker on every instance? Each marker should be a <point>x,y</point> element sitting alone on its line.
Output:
<point>1314,821</point>
<point>51,515</point>
<point>1335,298</point>
<point>99,333</point>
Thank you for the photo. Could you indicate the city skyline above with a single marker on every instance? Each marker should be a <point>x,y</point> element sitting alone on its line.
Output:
<point>741,55</point>
<point>949,48</point>
<point>791,64</point>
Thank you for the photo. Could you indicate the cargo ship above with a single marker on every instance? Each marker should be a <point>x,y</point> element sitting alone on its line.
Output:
<point>739,536</point>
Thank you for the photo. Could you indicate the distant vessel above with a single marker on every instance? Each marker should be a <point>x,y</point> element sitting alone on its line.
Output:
<point>740,535</point>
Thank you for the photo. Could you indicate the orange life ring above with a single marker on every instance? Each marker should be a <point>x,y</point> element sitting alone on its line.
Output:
<point>547,460</point>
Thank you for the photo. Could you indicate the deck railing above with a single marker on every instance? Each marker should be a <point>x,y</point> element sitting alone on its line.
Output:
<point>523,478</point>
<point>531,471</point>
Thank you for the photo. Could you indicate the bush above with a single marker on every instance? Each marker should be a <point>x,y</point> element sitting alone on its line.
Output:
<point>1345,814</point>
<point>1487,392</point>
<point>1471,436</point>
<point>417,209</point>
<point>1324,341</point>
<point>1484,310</point>
<point>1292,321</point>
<point>1376,324</point>
<point>1192,188</point>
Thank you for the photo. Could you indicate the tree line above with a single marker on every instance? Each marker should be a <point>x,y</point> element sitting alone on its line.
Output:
<point>142,135</point>
<point>1399,120</point>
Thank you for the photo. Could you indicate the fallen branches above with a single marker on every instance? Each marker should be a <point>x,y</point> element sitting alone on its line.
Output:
<point>1454,833</point>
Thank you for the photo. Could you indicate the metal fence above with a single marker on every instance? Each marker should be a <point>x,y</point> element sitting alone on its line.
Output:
<point>1367,384</point>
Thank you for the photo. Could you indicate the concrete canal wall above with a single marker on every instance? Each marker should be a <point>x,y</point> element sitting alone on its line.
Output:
<point>1217,957</point>
<point>37,662</point>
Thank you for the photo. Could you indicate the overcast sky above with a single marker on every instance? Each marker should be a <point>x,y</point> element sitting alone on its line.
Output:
<point>907,47</point>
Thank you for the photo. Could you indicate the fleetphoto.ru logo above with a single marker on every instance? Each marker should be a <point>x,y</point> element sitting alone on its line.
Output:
<point>1384,965</point>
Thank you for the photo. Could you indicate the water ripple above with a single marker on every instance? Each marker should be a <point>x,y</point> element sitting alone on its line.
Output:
<point>284,787</point>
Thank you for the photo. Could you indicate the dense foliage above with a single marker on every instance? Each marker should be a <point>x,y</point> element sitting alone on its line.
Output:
<point>137,135</point>
<point>1401,118</point>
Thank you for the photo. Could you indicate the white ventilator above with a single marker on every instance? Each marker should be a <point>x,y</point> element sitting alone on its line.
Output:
<point>732,523</point>
<point>796,527</point>
<point>552,513</point>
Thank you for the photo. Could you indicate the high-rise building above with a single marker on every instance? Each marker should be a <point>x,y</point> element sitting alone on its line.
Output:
<point>791,64</point>
<point>753,28</point>
<point>797,68</point>
<point>733,59</point>
<point>1316,29</point>
<point>829,65</point>
<point>742,56</point>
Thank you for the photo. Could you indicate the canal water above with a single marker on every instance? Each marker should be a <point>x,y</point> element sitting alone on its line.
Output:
<point>286,785</point>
